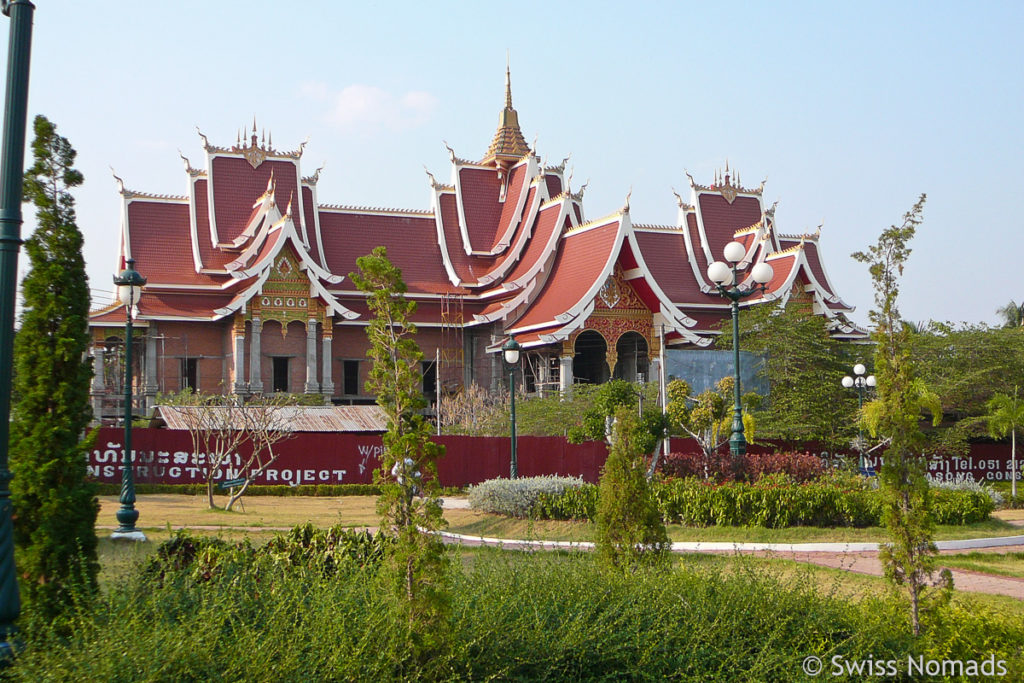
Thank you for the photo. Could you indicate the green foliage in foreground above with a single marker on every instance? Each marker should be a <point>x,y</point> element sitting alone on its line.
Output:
<point>54,506</point>
<point>628,531</point>
<point>773,502</point>
<point>515,616</point>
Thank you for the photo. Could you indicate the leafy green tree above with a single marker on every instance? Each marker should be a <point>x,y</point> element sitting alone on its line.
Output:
<point>967,365</point>
<point>909,557</point>
<point>1006,416</point>
<point>629,531</point>
<point>804,367</point>
<point>409,507</point>
<point>55,507</point>
<point>604,403</point>
<point>706,417</point>
<point>1012,314</point>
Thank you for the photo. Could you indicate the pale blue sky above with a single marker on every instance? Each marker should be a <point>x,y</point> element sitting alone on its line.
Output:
<point>851,110</point>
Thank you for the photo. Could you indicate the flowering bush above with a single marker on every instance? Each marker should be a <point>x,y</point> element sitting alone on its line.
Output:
<point>517,497</point>
<point>801,467</point>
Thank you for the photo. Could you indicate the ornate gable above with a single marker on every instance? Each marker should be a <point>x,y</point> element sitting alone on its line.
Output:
<point>285,296</point>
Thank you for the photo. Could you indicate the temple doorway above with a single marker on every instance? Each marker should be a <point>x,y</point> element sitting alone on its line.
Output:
<point>633,363</point>
<point>589,365</point>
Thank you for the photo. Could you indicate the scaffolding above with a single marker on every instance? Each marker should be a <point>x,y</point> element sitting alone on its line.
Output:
<point>451,356</point>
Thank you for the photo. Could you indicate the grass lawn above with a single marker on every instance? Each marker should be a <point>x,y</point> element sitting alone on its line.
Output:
<point>272,512</point>
<point>1003,564</point>
<point>839,582</point>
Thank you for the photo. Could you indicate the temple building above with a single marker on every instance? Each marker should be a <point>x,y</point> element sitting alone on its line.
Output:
<point>248,289</point>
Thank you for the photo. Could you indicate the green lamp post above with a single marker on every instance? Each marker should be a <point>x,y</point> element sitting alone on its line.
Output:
<point>726,277</point>
<point>19,49</point>
<point>862,383</point>
<point>129,291</point>
<point>511,351</point>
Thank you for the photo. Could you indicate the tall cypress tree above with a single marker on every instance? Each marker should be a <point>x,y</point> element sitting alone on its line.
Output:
<point>55,507</point>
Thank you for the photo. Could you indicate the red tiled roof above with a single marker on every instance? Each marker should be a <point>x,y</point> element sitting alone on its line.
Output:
<point>411,243</point>
<point>554,184</point>
<point>159,234</point>
<point>211,257</point>
<point>665,255</point>
<point>722,219</point>
<point>478,193</point>
<point>509,218</point>
<point>184,305</point>
<point>309,224</point>
<point>544,233</point>
<point>465,266</point>
<point>580,263</point>
<point>237,185</point>
<point>814,261</point>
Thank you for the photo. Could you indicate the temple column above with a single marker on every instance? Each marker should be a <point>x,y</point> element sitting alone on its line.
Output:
<point>99,388</point>
<point>612,359</point>
<point>497,371</point>
<point>255,358</point>
<point>149,378</point>
<point>312,387</point>
<point>238,333</point>
<point>565,374</point>
<point>327,385</point>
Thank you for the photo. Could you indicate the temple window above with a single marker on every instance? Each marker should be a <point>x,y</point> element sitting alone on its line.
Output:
<point>280,374</point>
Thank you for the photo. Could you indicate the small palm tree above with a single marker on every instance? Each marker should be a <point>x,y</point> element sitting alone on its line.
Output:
<point>1006,415</point>
<point>1012,314</point>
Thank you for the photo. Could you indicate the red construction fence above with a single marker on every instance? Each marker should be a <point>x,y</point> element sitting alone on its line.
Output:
<point>164,456</point>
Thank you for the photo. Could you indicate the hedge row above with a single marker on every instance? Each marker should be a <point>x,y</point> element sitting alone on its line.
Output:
<point>772,503</point>
<point>324,490</point>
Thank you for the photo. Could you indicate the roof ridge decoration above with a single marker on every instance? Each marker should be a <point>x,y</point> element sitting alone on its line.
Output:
<point>192,172</point>
<point>652,227</point>
<point>578,194</point>
<point>376,209</point>
<point>508,145</point>
<point>723,184</point>
<point>785,252</point>
<point>806,235</point>
<point>457,160</point>
<point>679,200</point>
<point>132,194</point>
<point>257,150</point>
<point>315,178</point>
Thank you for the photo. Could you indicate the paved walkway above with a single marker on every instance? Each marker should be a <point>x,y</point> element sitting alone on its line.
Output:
<point>861,558</point>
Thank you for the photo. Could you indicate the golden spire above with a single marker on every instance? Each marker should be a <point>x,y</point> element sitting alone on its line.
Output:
<point>508,145</point>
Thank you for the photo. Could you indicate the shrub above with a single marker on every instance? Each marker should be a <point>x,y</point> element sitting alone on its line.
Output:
<point>962,483</point>
<point>629,532</point>
<point>517,497</point>
<point>960,506</point>
<point>574,502</point>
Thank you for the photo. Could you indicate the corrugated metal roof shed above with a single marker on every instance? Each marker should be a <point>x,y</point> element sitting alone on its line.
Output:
<point>297,418</point>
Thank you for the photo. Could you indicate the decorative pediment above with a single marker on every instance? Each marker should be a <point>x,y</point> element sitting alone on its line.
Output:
<point>617,295</point>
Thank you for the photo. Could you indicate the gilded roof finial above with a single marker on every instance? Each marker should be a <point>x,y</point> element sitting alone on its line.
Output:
<point>508,145</point>
<point>508,82</point>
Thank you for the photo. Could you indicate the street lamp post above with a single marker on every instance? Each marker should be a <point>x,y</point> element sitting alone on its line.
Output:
<point>511,351</point>
<point>12,158</point>
<point>861,383</point>
<point>726,278</point>
<point>129,291</point>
